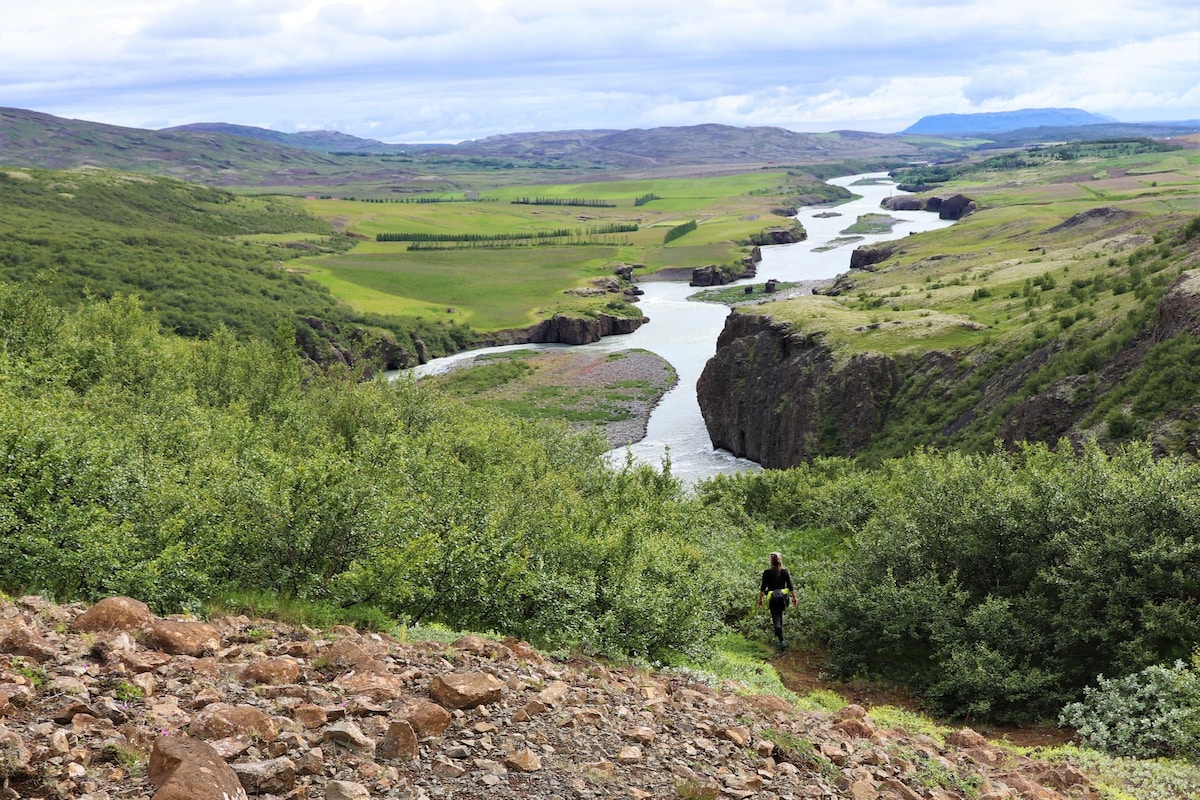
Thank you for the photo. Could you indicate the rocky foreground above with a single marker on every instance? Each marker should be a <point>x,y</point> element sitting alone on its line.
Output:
<point>112,702</point>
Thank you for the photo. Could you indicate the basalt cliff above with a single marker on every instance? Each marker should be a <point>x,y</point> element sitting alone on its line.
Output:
<point>781,396</point>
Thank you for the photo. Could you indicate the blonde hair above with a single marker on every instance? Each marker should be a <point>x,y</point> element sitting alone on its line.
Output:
<point>776,562</point>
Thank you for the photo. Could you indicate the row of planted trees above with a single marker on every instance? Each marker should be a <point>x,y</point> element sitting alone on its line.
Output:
<point>999,585</point>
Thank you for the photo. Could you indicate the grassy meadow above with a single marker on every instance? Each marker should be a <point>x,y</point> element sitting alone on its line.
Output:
<point>1013,271</point>
<point>498,285</point>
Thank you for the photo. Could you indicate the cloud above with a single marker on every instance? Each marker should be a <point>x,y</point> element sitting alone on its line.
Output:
<point>452,69</point>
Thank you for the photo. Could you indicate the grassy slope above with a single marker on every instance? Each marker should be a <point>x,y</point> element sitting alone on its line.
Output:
<point>496,288</point>
<point>201,257</point>
<point>941,277</point>
<point>1007,283</point>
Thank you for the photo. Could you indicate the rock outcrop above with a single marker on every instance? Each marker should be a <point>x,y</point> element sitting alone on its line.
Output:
<point>105,716</point>
<point>955,206</point>
<point>776,395</point>
<point>563,329</point>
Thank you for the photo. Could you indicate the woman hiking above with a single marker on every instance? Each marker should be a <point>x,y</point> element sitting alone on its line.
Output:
<point>777,582</point>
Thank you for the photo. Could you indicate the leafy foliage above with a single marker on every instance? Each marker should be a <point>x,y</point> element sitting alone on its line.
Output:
<point>999,585</point>
<point>1155,712</point>
<point>176,471</point>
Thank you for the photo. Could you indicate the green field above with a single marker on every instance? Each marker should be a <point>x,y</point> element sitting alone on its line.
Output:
<point>1002,273</point>
<point>492,287</point>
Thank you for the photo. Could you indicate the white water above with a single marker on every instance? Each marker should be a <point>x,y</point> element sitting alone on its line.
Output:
<point>685,333</point>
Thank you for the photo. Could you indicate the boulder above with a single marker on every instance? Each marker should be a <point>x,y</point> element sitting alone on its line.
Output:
<point>187,769</point>
<point>371,679</point>
<point>272,671</point>
<point>19,639</point>
<point>182,638</point>
<point>465,689</point>
<point>346,790</point>
<point>114,614</point>
<point>349,736</point>
<point>222,720</point>
<point>426,718</point>
<point>400,742</point>
<point>274,776</point>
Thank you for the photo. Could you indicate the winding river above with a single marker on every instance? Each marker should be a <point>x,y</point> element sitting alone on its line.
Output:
<point>685,332</point>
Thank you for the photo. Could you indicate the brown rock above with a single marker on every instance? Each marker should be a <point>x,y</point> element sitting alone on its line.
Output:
<point>352,651</point>
<point>372,679</point>
<point>630,754</point>
<point>855,727</point>
<point>523,761</point>
<point>114,614</point>
<point>275,776</point>
<point>181,638</point>
<point>737,734</point>
<point>465,689</point>
<point>273,671</point>
<point>309,716</point>
<point>15,753</point>
<point>187,769</point>
<point>18,639</point>
<point>350,737</point>
<point>346,790</point>
<point>863,790</point>
<point>400,742</point>
<point>482,647</point>
<point>966,738</point>
<point>426,718</point>
<point>221,720</point>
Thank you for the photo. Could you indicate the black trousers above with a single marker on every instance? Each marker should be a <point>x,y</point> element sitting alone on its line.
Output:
<point>777,607</point>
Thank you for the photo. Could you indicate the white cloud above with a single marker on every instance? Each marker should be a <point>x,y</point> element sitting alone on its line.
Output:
<point>450,69</point>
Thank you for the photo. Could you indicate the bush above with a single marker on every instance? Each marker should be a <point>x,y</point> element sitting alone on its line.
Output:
<point>1155,712</point>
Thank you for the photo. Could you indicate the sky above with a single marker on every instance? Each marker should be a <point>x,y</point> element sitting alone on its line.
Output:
<point>449,70</point>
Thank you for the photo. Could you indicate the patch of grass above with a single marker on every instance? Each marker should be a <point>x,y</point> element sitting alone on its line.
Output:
<point>871,224</point>
<point>293,611</point>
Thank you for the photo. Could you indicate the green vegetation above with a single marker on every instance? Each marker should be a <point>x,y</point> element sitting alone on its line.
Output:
<point>923,178</point>
<point>177,471</point>
<point>222,471</point>
<point>679,231</point>
<point>1155,712</point>
<point>1030,300</point>
<point>442,275</point>
<point>999,585</point>
<point>202,258</point>
<point>871,224</point>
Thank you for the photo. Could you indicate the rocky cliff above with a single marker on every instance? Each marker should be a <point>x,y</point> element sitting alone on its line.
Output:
<point>778,396</point>
<point>110,701</point>
<point>563,329</point>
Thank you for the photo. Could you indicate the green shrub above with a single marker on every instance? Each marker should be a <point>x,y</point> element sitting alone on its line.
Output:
<point>1152,713</point>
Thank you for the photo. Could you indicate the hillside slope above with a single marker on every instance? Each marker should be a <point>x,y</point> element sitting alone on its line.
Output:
<point>111,701</point>
<point>1065,309</point>
<point>200,257</point>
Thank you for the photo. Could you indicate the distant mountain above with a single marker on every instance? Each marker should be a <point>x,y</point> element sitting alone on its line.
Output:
<point>223,154</point>
<point>317,141</point>
<point>694,144</point>
<point>1000,121</point>
<point>34,139</point>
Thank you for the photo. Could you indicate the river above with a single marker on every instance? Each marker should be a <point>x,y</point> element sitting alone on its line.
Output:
<point>685,332</point>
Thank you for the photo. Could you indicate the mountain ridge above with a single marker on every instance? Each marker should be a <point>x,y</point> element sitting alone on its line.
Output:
<point>1004,121</point>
